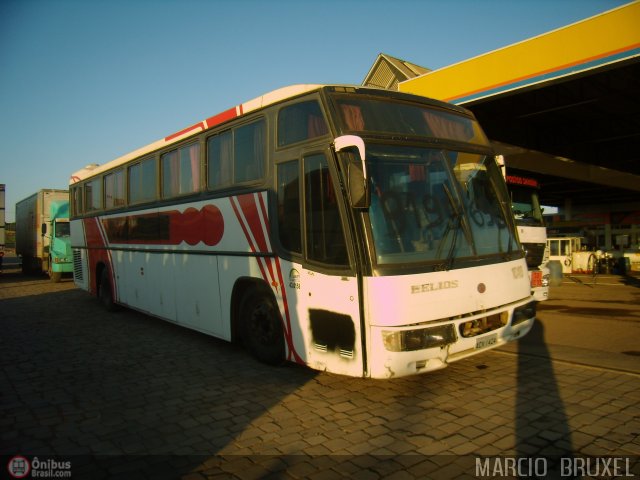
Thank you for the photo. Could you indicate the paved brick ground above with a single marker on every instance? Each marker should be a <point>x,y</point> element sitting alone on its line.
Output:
<point>127,396</point>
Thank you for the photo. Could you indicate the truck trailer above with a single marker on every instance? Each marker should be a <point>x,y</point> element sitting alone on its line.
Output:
<point>42,233</point>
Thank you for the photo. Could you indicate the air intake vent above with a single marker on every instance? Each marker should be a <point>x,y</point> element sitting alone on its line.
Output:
<point>77,265</point>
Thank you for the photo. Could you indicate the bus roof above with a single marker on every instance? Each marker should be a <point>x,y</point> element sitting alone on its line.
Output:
<point>234,112</point>
<point>262,101</point>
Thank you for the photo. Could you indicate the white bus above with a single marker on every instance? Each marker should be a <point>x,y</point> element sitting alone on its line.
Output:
<point>358,231</point>
<point>532,231</point>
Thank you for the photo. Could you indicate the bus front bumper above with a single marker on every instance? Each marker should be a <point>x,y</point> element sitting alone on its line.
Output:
<point>403,351</point>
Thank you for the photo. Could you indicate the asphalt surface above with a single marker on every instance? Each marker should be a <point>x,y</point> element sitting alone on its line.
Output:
<point>125,395</point>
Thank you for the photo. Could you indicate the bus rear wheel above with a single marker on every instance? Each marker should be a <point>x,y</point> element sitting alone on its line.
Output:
<point>105,294</point>
<point>262,332</point>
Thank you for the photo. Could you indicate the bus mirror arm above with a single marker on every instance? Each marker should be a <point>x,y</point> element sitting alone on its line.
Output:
<point>356,173</point>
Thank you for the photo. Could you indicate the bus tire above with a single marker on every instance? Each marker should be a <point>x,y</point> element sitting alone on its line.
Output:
<point>105,293</point>
<point>262,332</point>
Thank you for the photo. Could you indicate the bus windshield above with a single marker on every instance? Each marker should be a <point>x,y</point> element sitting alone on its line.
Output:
<point>526,206</point>
<point>437,206</point>
<point>371,115</point>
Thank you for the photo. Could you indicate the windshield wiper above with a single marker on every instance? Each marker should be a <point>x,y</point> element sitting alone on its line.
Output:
<point>457,219</point>
<point>455,223</point>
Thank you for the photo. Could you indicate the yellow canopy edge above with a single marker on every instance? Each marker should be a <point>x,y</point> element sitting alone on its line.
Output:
<point>609,37</point>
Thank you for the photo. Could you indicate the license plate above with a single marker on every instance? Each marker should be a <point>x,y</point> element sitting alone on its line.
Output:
<point>486,341</point>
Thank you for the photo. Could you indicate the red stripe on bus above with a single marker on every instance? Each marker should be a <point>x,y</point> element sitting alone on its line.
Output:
<point>247,235</point>
<point>96,237</point>
<point>267,235</point>
<point>249,207</point>
<point>197,126</point>
<point>221,117</point>
<point>288,331</point>
<point>263,209</point>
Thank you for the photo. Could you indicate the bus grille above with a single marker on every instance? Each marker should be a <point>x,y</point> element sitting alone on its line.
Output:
<point>77,265</point>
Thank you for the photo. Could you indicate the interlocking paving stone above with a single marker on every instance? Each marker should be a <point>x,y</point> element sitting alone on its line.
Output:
<point>77,380</point>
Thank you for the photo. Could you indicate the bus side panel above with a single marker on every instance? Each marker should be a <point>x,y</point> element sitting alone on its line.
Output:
<point>179,287</point>
<point>196,285</point>
<point>134,279</point>
<point>121,260</point>
<point>320,315</point>
<point>88,232</point>
<point>325,319</point>
<point>233,268</point>
<point>163,273</point>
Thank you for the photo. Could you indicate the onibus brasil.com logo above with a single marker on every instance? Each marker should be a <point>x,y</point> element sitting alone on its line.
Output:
<point>21,467</point>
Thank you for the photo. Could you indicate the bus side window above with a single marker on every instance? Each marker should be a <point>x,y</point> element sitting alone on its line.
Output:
<point>289,219</point>
<point>114,189</point>
<point>142,181</point>
<point>93,195</point>
<point>299,122</point>
<point>220,160</point>
<point>181,171</point>
<point>325,237</point>
<point>249,148</point>
<point>76,198</point>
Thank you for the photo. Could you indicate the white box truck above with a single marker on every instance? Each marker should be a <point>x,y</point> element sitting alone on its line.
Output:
<point>42,233</point>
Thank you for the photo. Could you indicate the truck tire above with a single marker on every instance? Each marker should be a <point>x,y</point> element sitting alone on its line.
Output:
<point>262,332</point>
<point>55,277</point>
<point>105,292</point>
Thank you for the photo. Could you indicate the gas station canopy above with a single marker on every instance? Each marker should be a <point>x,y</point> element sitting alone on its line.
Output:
<point>564,105</point>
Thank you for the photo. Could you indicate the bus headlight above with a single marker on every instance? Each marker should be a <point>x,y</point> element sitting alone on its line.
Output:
<point>419,339</point>
<point>524,313</point>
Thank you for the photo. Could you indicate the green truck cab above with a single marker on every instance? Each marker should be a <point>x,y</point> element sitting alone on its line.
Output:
<point>43,240</point>
<point>59,233</point>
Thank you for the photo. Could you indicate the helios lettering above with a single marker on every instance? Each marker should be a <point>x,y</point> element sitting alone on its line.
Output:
<point>432,287</point>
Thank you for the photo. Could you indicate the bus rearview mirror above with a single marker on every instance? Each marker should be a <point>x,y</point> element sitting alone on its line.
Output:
<point>356,171</point>
<point>357,186</point>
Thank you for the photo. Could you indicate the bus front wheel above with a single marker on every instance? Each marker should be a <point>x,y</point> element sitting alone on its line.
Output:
<point>262,332</point>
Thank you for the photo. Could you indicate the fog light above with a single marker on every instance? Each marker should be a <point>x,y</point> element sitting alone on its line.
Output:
<point>524,313</point>
<point>410,340</point>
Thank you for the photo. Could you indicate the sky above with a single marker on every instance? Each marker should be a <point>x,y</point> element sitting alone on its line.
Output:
<point>87,81</point>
